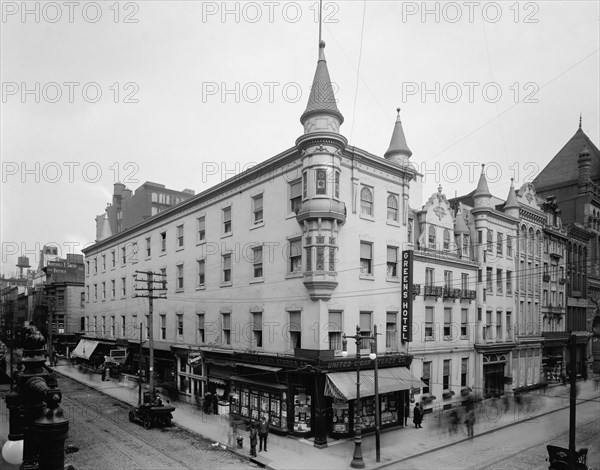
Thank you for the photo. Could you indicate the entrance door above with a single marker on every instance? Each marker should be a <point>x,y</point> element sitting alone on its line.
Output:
<point>493,379</point>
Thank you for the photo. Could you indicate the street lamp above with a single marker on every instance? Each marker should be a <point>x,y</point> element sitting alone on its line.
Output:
<point>357,458</point>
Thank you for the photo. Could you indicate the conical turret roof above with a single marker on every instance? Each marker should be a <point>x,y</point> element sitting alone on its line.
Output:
<point>322,99</point>
<point>398,145</point>
<point>482,186</point>
<point>511,200</point>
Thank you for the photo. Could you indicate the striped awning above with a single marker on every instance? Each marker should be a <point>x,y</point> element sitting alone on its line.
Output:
<point>342,385</point>
<point>85,348</point>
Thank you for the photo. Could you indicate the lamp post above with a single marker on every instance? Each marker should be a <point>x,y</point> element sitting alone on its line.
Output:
<point>357,458</point>
<point>36,419</point>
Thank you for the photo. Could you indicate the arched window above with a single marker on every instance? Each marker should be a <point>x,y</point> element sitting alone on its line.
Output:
<point>392,207</point>
<point>446,239</point>
<point>431,236</point>
<point>538,237</point>
<point>366,201</point>
<point>531,240</point>
<point>523,239</point>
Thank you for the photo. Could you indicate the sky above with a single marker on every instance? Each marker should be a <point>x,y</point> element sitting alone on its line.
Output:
<point>190,93</point>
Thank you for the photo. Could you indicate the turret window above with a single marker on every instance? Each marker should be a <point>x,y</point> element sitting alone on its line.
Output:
<point>392,207</point>
<point>321,181</point>
<point>366,201</point>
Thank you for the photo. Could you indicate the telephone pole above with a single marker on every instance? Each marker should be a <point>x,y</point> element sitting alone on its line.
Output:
<point>150,290</point>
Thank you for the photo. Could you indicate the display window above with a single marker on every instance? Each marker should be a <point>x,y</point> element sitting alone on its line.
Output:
<point>302,410</point>
<point>253,402</point>
<point>340,422</point>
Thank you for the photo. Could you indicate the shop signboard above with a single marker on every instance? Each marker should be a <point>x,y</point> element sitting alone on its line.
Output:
<point>406,295</point>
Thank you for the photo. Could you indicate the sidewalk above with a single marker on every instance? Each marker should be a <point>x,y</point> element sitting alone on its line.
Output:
<point>287,453</point>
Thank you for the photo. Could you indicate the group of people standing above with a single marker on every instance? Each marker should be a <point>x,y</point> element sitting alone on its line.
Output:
<point>211,403</point>
<point>469,417</point>
<point>262,432</point>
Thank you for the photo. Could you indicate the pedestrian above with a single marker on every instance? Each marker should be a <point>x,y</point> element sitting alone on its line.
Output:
<point>453,421</point>
<point>215,403</point>
<point>470,422</point>
<point>406,412</point>
<point>253,436</point>
<point>263,433</point>
<point>103,372</point>
<point>207,402</point>
<point>418,416</point>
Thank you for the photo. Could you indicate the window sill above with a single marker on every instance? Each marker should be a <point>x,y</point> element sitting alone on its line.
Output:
<point>429,338</point>
<point>392,223</point>
<point>258,280</point>
<point>367,217</point>
<point>226,284</point>
<point>447,338</point>
<point>162,253</point>
<point>291,215</point>
<point>393,279</point>
<point>366,277</point>
<point>202,287</point>
<point>179,289</point>
<point>179,248</point>
<point>227,235</point>
<point>294,276</point>
<point>258,225</point>
<point>201,242</point>
<point>148,258</point>
<point>464,337</point>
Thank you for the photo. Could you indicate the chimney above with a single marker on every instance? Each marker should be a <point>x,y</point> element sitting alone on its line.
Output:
<point>584,163</point>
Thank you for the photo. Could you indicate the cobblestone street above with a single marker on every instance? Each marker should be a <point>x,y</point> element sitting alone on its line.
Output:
<point>99,427</point>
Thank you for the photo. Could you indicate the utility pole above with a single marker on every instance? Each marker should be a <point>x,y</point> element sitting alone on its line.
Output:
<point>51,309</point>
<point>150,294</point>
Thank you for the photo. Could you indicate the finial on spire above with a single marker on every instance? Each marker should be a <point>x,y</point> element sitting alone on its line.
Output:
<point>440,189</point>
<point>580,120</point>
<point>398,110</point>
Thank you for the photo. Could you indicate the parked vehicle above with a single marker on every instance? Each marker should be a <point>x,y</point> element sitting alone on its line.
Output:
<point>152,415</point>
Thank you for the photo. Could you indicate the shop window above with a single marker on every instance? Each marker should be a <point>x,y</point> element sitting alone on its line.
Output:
<point>340,422</point>
<point>302,407</point>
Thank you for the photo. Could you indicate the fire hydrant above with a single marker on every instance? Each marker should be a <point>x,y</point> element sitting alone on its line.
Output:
<point>240,441</point>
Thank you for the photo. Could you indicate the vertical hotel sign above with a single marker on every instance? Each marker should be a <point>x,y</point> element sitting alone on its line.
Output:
<point>407,298</point>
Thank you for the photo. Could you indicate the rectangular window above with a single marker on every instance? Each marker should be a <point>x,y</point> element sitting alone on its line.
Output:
<point>488,279</point>
<point>391,330</point>
<point>112,326</point>
<point>104,291</point>
<point>429,276</point>
<point>226,318</point>
<point>446,376</point>
<point>82,300</point>
<point>295,255</point>
<point>113,258</point>
<point>257,262</point>
<point>509,247</point>
<point>180,276</point>
<point>148,247</point>
<point>365,329</point>
<point>227,220</point>
<point>201,229</point>
<point>464,371</point>
<point>295,330</point>
<point>366,258</point>
<point>257,329</point>
<point>499,243</point>
<point>509,282</point>
<point>428,322</point>
<point>498,325</point>
<point>448,279</point>
<point>163,277</point>
<point>334,328</point>
<point>113,289</point>
<point>464,322</point>
<point>426,376</point>
<point>447,323</point>
<point>163,241</point>
<point>490,241</point>
<point>95,265</point>
<point>95,291</point>
<point>227,268</point>
<point>499,281</point>
<point>201,270</point>
<point>201,338</point>
<point>464,282</point>
<point>321,180</point>
<point>179,326</point>
<point>180,236</point>
<point>123,287</point>
<point>103,326</point>
<point>295,196</point>
<point>392,261</point>
<point>257,209</point>
<point>87,291</point>
<point>123,255</point>
<point>508,326</point>
<point>87,264</point>
<point>103,262</point>
<point>163,327</point>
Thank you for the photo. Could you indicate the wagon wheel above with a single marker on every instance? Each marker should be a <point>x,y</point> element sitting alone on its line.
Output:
<point>147,422</point>
<point>167,421</point>
<point>132,416</point>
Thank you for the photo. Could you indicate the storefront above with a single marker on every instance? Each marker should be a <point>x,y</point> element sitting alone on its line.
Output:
<point>394,384</point>
<point>553,360</point>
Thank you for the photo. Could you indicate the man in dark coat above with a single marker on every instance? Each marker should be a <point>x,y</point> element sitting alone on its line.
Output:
<point>253,436</point>
<point>406,412</point>
<point>215,403</point>
<point>263,433</point>
<point>418,416</point>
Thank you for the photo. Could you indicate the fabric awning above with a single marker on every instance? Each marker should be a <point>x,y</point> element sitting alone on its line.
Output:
<point>85,348</point>
<point>245,380</point>
<point>217,381</point>
<point>342,385</point>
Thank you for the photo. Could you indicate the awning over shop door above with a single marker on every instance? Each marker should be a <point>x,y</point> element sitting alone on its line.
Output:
<point>342,385</point>
<point>85,348</point>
